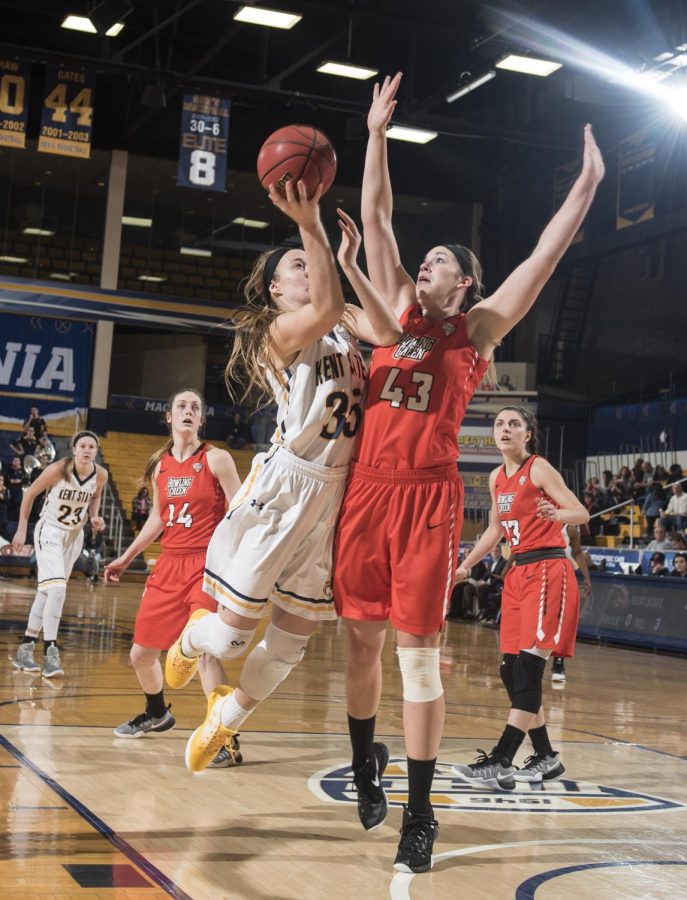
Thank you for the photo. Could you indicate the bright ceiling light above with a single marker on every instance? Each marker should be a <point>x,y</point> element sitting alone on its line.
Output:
<point>194,251</point>
<point>82,23</point>
<point>346,70</point>
<point>13,259</point>
<point>249,223</point>
<point>528,65</point>
<point>470,86</point>
<point>137,222</point>
<point>155,278</point>
<point>414,135</point>
<point>270,18</point>
<point>42,232</point>
<point>63,276</point>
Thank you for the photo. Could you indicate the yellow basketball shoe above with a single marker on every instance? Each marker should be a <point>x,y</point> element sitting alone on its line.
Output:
<point>206,741</point>
<point>180,669</point>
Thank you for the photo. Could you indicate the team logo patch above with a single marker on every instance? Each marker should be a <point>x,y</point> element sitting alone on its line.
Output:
<point>522,480</point>
<point>335,785</point>
<point>179,487</point>
<point>411,347</point>
<point>448,328</point>
<point>504,502</point>
<point>197,467</point>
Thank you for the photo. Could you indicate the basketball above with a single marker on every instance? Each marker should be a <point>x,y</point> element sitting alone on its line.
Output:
<point>297,153</point>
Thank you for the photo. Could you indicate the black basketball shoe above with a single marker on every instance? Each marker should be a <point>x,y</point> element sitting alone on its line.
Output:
<point>372,805</point>
<point>418,834</point>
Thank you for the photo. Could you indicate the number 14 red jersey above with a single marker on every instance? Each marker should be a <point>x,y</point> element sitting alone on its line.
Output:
<point>417,394</point>
<point>516,504</point>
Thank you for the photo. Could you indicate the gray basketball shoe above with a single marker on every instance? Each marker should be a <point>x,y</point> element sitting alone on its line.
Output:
<point>24,660</point>
<point>145,724</point>
<point>540,768</point>
<point>51,663</point>
<point>488,771</point>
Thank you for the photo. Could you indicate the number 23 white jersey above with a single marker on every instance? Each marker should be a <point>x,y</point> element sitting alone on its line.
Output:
<point>66,504</point>
<point>321,400</point>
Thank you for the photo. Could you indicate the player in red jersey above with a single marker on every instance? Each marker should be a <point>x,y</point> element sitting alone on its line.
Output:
<point>399,525</point>
<point>192,484</point>
<point>540,601</point>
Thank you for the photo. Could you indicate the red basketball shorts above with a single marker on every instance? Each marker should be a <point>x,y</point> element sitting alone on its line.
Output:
<point>396,544</point>
<point>173,591</point>
<point>540,606</point>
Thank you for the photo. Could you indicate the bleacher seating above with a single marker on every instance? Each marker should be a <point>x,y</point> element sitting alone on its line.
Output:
<point>126,455</point>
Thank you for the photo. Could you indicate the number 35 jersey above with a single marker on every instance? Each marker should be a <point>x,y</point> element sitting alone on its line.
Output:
<point>417,394</point>
<point>320,400</point>
<point>66,504</point>
<point>192,503</point>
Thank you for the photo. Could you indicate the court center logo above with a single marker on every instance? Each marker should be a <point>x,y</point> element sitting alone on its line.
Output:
<point>335,785</point>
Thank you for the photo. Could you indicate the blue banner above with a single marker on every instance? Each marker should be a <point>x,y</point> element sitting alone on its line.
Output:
<point>67,117</point>
<point>204,142</point>
<point>14,102</point>
<point>44,363</point>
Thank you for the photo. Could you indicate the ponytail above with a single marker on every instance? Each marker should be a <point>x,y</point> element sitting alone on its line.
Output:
<point>152,463</point>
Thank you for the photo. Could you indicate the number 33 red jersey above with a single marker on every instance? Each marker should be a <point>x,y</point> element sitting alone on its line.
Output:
<point>516,503</point>
<point>417,394</point>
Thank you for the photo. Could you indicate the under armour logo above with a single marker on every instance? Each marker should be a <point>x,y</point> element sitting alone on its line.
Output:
<point>238,643</point>
<point>256,504</point>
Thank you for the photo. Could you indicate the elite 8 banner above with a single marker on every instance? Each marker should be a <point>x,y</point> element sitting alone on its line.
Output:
<point>204,141</point>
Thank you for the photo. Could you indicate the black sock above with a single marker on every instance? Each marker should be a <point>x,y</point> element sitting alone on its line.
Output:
<point>155,705</point>
<point>28,639</point>
<point>362,732</point>
<point>509,743</point>
<point>47,644</point>
<point>540,741</point>
<point>420,777</point>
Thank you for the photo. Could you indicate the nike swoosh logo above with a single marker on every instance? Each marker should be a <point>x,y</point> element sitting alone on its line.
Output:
<point>376,782</point>
<point>438,525</point>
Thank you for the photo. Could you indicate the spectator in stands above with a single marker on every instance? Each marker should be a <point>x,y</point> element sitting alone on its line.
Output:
<point>675,515</point>
<point>505,383</point>
<point>657,564</point>
<point>606,481</point>
<point>45,450</point>
<point>660,474</point>
<point>482,597</point>
<point>643,480</point>
<point>140,507</point>
<point>93,551</point>
<point>4,507</point>
<point>678,541</point>
<point>679,566</point>
<point>35,421</point>
<point>16,480</point>
<point>593,527</point>
<point>654,502</point>
<point>26,445</point>
<point>675,474</point>
<point>621,489</point>
<point>239,432</point>
<point>458,607</point>
<point>660,541</point>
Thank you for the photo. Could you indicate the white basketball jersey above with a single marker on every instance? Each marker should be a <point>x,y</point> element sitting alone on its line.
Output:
<point>66,504</point>
<point>321,400</point>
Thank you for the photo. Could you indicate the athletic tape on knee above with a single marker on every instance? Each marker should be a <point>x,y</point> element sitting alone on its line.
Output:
<point>211,635</point>
<point>270,661</point>
<point>528,670</point>
<point>52,611</point>
<point>420,673</point>
<point>506,673</point>
<point>35,623</point>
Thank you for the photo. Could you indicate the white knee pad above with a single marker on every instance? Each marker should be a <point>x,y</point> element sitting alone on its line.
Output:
<point>420,673</point>
<point>52,611</point>
<point>35,623</point>
<point>211,635</point>
<point>270,661</point>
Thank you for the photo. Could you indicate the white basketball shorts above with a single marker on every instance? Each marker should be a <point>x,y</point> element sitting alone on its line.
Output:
<point>56,552</point>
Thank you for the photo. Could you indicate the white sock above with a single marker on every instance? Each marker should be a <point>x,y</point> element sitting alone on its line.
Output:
<point>232,714</point>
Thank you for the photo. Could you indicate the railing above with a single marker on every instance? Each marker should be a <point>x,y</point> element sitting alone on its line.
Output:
<point>110,511</point>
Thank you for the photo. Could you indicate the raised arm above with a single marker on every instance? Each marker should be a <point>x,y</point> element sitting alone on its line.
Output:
<point>43,483</point>
<point>546,478</point>
<point>491,320</point>
<point>149,533</point>
<point>383,259</point>
<point>295,329</point>
<point>375,322</point>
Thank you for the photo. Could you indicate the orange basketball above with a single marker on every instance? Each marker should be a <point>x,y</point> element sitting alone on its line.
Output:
<point>297,153</point>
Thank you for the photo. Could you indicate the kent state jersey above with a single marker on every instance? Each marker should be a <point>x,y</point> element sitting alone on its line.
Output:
<point>417,394</point>
<point>66,504</point>
<point>516,505</point>
<point>321,400</point>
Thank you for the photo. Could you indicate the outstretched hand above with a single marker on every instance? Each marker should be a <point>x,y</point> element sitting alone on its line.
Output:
<point>350,240</point>
<point>383,103</point>
<point>296,204</point>
<point>592,162</point>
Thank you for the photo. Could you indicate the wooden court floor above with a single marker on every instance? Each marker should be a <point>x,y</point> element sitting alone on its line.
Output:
<point>88,815</point>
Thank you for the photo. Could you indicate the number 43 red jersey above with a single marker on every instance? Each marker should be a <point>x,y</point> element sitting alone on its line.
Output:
<point>516,503</point>
<point>417,394</point>
<point>192,502</point>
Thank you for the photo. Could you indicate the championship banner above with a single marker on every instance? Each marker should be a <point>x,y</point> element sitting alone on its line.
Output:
<point>563,179</point>
<point>67,117</point>
<point>14,102</point>
<point>476,487</point>
<point>636,179</point>
<point>44,363</point>
<point>204,142</point>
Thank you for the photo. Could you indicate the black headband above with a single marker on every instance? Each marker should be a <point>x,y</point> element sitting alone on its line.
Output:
<point>81,434</point>
<point>273,261</point>
<point>463,257</point>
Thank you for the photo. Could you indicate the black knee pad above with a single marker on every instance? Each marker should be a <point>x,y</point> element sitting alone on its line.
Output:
<point>506,673</point>
<point>528,670</point>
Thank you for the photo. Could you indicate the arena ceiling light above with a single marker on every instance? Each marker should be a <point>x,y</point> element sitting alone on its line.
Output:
<point>471,86</point>
<point>194,251</point>
<point>41,232</point>
<point>155,278</point>
<point>528,65</point>
<point>13,259</point>
<point>249,223</point>
<point>137,222</point>
<point>270,18</point>
<point>413,135</point>
<point>81,23</point>
<point>62,276</point>
<point>346,70</point>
